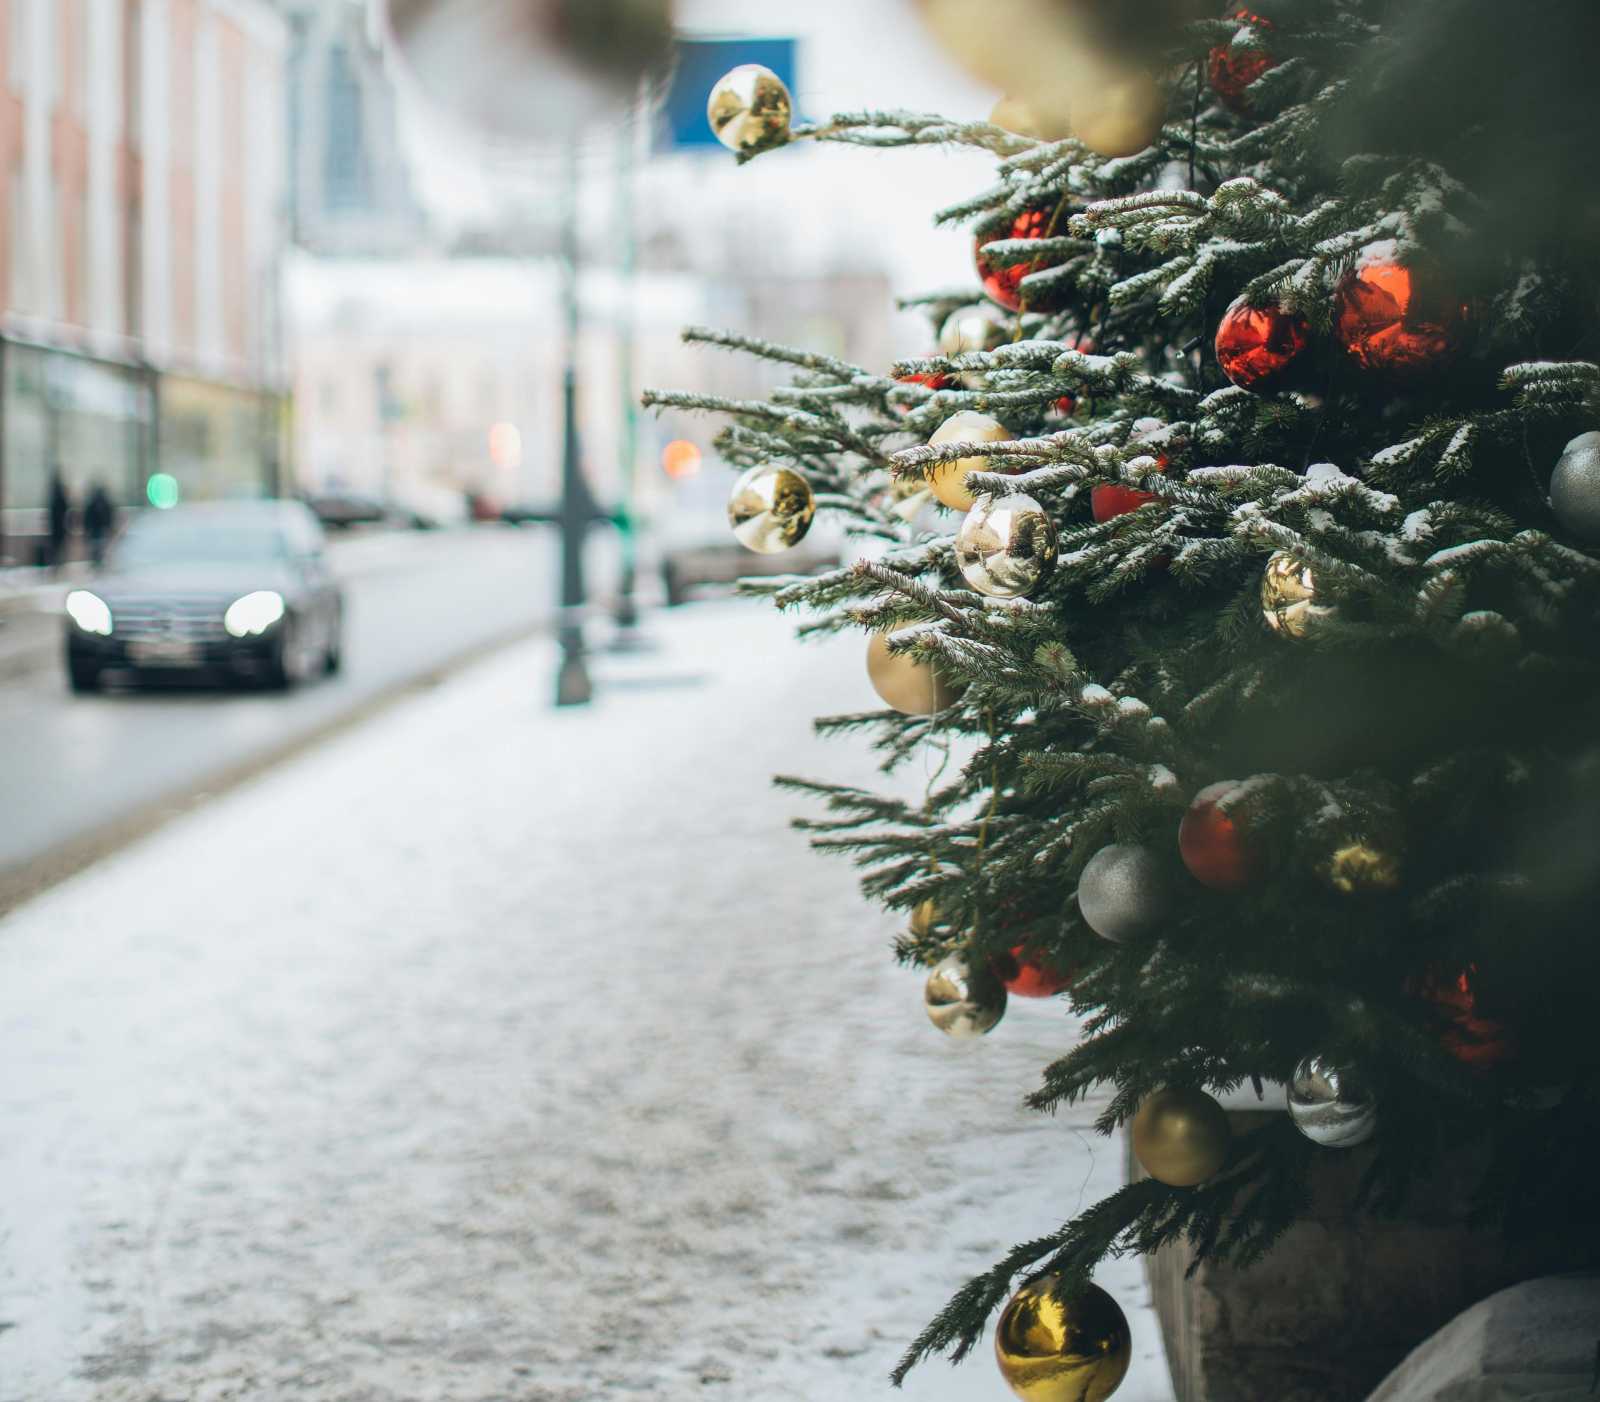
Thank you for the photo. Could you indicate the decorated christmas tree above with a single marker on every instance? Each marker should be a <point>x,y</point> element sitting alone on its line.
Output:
<point>1243,535</point>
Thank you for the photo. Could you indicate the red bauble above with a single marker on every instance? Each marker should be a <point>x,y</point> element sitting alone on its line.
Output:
<point>933,380</point>
<point>1232,72</point>
<point>1026,973</point>
<point>1068,403</point>
<point>1004,284</point>
<point>1401,320</point>
<point>1478,1042</point>
<point>1257,345</point>
<point>1212,845</point>
<point>1112,499</point>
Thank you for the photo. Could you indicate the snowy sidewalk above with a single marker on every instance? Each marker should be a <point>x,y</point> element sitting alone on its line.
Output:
<point>490,1052</point>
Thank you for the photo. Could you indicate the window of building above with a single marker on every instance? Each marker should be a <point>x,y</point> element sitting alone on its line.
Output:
<point>344,172</point>
<point>82,311</point>
<point>17,27</point>
<point>133,71</point>
<point>21,241</point>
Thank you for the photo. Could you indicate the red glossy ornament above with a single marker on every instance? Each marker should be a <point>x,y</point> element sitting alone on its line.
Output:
<point>1068,403</point>
<point>1257,345</point>
<point>1231,71</point>
<point>1478,1042</point>
<point>1214,848</point>
<point>1112,499</point>
<point>1028,975</point>
<point>1003,285</point>
<point>933,380</point>
<point>1399,320</point>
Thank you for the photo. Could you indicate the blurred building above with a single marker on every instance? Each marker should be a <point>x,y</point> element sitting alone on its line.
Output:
<point>349,183</point>
<point>140,249</point>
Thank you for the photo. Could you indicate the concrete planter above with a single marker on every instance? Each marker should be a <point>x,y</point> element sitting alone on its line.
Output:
<point>1341,1300</point>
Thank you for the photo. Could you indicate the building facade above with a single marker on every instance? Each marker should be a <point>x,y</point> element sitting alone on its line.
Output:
<point>142,143</point>
<point>350,191</point>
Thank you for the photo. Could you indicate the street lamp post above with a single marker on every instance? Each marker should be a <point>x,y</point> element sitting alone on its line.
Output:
<point>577,511</point>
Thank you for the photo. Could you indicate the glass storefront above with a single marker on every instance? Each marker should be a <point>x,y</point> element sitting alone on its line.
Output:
<point>89,419</point>
<point>98,422</point>
<point>218,440</point>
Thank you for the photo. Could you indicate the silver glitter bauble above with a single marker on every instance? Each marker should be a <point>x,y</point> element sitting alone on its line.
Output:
<point>1006,545</point>
<point>963,1001</point>
<point>770,509</point>
<point>1330,1105</point>
<point>1125,892</point>
<point>1575,487</point>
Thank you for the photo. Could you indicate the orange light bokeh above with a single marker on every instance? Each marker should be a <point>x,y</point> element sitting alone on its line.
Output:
<point>680,458</point>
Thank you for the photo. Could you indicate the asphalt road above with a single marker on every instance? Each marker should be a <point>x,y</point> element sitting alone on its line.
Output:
<point>77,766</point>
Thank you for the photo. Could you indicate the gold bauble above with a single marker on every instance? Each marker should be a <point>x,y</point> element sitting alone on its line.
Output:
<point>1289,597</point>
<point>949,479</point>
<point>1025,118</point>
<point>1055,1350</point>
<point>923,916</point>
<point>910,686</point>
<point>964,999</point>
<point>1359,868</point>
<point>1006,545</point>
<point>749,108</point>
<point>971,329</point>
<point>1180,1136</point>
<point>770,509</point>
<point>1119,111</point>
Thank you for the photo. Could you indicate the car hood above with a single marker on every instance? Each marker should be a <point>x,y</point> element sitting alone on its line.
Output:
<point>215,580</point>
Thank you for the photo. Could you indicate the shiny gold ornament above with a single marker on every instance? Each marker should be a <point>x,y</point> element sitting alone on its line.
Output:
<point>1360,869</point>
<point>923,916</point>
<point>770,509</point>
<point>1289,597</point>
<point>1119,111</point>
<point>910,686</point>
<point>1006,545</point>
<point>1017,115</point>
<point>1180,1137</point>
<point>749,108</point>
<point>1055,1350</point>
<point>962,999</point>
<point>949,479</point>
<point>971,329</point>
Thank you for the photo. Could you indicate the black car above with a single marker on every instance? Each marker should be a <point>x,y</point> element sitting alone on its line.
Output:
<point>240,588</point>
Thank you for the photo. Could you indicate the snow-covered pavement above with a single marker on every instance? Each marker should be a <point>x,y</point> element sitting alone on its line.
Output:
<point>489,1052</point>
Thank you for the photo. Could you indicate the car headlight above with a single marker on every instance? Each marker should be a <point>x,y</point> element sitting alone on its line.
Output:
<point>253,614</point>
<point>89,611</point>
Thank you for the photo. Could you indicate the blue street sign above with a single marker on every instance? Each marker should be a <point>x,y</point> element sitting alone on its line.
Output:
<point>701,62</point>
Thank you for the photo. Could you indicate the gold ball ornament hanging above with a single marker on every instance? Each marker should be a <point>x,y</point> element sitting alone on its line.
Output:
<point>1289,601</point>
<point>924,915</point>
<point>971,329</point>
<point>963,999</point>
<point>749,108</point>
<point>908,684</point>
<point>948,480</point>
<point>1025,118</point>
<point>1053,1347</point>
<point>1360,868</point>
<point>1118,111</point>
<point>1006,545</point>
<point>1180,1136</point>
<point>770,509</point>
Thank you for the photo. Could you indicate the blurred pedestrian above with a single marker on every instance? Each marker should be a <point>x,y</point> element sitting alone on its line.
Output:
<point>60,520</point>
<point>99,516</point>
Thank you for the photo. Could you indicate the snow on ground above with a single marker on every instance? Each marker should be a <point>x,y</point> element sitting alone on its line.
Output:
<point>490,1052</point>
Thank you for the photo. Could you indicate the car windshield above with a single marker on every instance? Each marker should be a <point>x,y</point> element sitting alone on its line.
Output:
<point>170,541</point>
